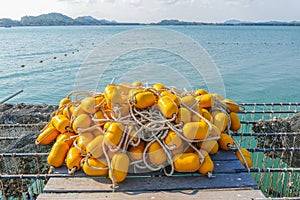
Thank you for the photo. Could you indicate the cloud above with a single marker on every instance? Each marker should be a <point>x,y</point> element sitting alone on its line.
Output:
<point>88,1</point>
<point>108,1</point>
<point>180,2</point>
<point>168,2</point>
<point>76,1</point>
<point>134,2</point>
<point>238,2</point>
<point>186,10</point>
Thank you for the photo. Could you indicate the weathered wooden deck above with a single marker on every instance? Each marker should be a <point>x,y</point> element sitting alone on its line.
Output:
<point>227,184</point>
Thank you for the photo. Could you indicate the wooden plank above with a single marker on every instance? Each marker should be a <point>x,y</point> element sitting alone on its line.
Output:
<point>221,167</point>
<point>225,171</point>
<point>232,194</point>
<point>223,156</point>
<point>229,164</point>
<point>135,184</point>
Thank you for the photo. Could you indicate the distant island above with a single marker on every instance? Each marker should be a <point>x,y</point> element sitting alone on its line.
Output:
<point>58,19</point>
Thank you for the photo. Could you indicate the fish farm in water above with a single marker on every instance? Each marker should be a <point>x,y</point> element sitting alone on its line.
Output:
<point>270,131</point>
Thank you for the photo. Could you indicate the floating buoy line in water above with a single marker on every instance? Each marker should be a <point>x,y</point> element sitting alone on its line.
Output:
<point>250,43</point>
<point>209,42</point>
<point>53,58</point>
<point>64,54</point>
<point>140,128</point>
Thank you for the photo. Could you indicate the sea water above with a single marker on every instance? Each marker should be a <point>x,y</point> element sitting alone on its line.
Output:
<point>256,63</point>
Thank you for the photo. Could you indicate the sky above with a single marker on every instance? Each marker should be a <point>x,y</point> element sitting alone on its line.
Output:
<point>156,10</point>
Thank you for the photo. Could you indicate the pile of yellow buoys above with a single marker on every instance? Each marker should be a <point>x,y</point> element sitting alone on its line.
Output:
<point>142,128</point>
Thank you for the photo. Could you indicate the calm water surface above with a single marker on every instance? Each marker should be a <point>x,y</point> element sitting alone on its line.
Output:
<point>257,63</point>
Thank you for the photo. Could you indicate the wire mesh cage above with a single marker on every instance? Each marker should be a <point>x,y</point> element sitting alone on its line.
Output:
<point>19,155</point>
<point>271,132</point>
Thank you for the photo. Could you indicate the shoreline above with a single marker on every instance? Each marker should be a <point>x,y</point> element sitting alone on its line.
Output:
<point>163,25</point>
<point>59,19</point>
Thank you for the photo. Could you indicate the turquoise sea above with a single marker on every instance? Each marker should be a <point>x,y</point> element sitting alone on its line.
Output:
<point>256,63</point>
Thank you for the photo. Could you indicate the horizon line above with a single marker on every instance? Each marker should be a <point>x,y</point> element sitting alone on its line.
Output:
<point>168,19</point>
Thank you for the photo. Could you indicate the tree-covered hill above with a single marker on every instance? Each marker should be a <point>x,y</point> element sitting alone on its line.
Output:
<point>58,19</point>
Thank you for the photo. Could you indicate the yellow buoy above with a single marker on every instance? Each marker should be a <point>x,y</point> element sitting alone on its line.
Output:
<point>137,84</point>
<point>210,146</point>
<point>99,115</point>
<point>215,131</point>
<point>113,95</point>
<point>172,96</point>
<point>84,139</point>
<point>67,112</point>
<point>61,123</point>
<point>83,121</point>
<point>119,165</point>
<point>207,165</point>
<point>203,152</point>
<point>195,116</point>
<point>184,115</point>
<point>58,154</point>
<point>73,158</point>
<point>172,139</point>
<point>136,153</point>
<point>158,86</point>
<point>196,130</point>
<point>186,162</point>
<point>64,102</point>
<point>106,125</point>
<point>66,137</point>
<point>58,112</point>
<point>108,113</point>
<point>95,167</point>
<point>47,136</point>
<point>113,134</point>
<point>206,100</point>
<point>232,106</point>
<point>78,110</point>
<point>156,154</point>
<point>200,92</point>
<point>124,88</point>
<point>71,109</point>
<point>167,106</point>
<point>134,91</point>
<point>207,115</point>
<point>95,147</point>
<point>144,99</point>
<point>188,101</point>
<point>178,150</point>
<point>226,142</point>
<point>88,104</point>
<point>99,99</point>
<point>220,119</point>
<point>246,155</point>
<point>235,121</point>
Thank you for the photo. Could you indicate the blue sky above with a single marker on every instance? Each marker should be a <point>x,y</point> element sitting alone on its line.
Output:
<point>156,10</point>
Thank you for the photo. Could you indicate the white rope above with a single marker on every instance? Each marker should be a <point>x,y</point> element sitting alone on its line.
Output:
<point>143,125</point>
